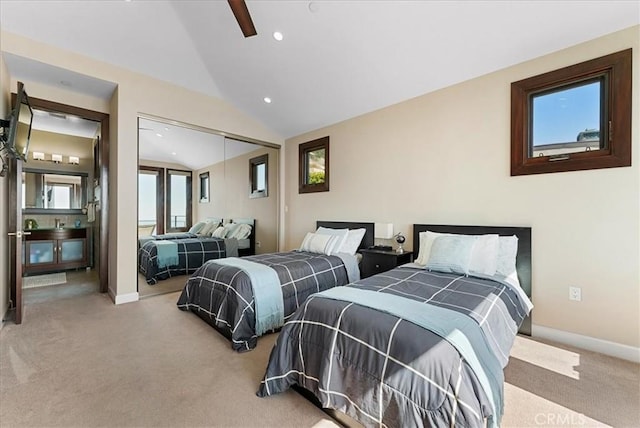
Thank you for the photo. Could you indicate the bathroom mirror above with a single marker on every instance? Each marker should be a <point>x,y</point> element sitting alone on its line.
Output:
<point>58,192</point>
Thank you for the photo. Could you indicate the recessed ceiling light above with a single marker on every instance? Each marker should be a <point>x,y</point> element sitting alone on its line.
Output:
<point>173,153</point>
<point>159,135</point>
<point>278,35</point>
<point>267,100</point>
<point>166,129</point>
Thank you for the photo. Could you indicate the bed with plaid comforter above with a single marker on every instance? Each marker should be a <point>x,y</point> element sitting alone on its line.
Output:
<point>383,370</point>
<point>192,253</point>
<point>223,295</point>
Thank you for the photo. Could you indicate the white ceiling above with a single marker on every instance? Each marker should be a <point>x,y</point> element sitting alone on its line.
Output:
<point>338,59</point>
<point>193,148</point>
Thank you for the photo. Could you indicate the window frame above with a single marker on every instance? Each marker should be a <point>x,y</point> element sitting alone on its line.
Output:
<point>204,197</point>
<point>616,70</point>
<point>188,195</point>
<point>253,176</point>
<point>160,203</point>
<point>303,166</point>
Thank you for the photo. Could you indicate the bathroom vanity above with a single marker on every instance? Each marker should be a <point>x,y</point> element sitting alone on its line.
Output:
<point>55,249</point>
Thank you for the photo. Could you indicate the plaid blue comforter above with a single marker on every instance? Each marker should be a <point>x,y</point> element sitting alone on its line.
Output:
<point>192,253</point>
<point>223,295</point>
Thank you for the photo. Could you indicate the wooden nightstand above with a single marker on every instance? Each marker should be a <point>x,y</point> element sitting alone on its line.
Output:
<point>377,261</point>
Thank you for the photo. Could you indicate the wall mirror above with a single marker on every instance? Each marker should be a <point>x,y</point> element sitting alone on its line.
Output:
<point>53,192</point>
<point>574,118</point>
<point>219,167</point>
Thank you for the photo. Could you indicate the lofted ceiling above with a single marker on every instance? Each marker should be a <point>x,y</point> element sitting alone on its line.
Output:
<point>338,59</point>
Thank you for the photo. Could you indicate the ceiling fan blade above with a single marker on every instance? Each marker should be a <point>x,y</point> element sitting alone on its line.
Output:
<point>240,11</point>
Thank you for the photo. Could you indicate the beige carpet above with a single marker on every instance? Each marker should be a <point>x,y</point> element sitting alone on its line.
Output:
<point>161,287</point>
<point>84,362</point>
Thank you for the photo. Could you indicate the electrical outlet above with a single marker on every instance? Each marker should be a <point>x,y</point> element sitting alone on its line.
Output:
<point>575,293</point>
<point>258,244</point>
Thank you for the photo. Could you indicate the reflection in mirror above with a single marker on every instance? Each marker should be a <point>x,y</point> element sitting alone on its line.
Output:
<point>258,176</point>
<point>217,169</point>
<point>567,120</point>
<point>53,190</point>
<point>204,187</point>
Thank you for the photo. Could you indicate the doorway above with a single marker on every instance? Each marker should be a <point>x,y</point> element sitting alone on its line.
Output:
<point>81,260</point>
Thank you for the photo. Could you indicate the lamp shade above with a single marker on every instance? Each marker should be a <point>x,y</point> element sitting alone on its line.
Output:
<point>383,230</point>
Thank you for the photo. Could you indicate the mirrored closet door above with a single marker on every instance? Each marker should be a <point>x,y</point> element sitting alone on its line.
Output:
<point>189,174</point>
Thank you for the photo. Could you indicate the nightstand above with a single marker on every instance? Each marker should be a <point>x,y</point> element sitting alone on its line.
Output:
<point>377,261</point>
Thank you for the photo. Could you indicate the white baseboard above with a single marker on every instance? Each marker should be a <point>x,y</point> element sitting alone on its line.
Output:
<point>123,298</point>
<point>613,349</point>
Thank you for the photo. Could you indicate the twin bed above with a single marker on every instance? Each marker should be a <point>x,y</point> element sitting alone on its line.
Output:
<point>174,254</point>
<point>415,346</point>
<point>408,347</point>
<point>223,295</point>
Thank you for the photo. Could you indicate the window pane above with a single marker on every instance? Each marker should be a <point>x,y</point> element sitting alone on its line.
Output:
<point>260,177</point>
<point>567,120</point>
<point>147,199</point>
<point>178,215</point>
<point>316,166</point>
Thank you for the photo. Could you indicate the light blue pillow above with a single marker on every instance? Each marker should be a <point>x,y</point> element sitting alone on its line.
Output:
<point>451,253</point>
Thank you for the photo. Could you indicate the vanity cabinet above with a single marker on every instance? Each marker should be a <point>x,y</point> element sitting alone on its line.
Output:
<point>49,250</point>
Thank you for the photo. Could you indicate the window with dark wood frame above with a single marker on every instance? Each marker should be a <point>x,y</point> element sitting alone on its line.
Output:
<point>313,166</point>
<point>611,74</point>
<point>159,173</point>
<point>204,187</point>
<point>173,222</point>
<point>259,176</point>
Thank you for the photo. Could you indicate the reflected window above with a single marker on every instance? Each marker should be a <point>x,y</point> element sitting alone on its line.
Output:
<point>258,176</point>
<point>178,200</point>
<point>151,198</point>
<point>204,187</point>
<point>313,165</point>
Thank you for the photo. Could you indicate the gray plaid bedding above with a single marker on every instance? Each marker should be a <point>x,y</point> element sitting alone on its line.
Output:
<point>192,253</point>
<point>385,371</point>
<point>223,296</point>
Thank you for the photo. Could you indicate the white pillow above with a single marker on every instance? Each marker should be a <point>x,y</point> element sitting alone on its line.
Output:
<point>219,232</point>
<point>197,227</point>
<point>484,257</point>
<point>342,235</point>
<point>506,259</point>
<point>318,243</point>
<point>208,228</point>
<point>242,231</point>
<point>351,244</point>
<point>426,241</point>
<point>230,229</point>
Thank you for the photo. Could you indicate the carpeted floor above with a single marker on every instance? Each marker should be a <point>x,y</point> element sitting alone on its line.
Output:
<point>84,362</point>
<point>161,287</point>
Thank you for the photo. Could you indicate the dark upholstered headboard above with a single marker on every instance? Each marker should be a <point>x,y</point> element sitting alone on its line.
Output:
<point>368,239</point>
<point>523,257</point>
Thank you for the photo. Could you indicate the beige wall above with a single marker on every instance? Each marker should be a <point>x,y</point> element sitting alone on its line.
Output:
<point>445,158</point>
<point>5,102</point>
<point>136,94</point>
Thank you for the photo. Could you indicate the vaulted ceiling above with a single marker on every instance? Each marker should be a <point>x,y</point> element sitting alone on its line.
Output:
<point>337,60</point>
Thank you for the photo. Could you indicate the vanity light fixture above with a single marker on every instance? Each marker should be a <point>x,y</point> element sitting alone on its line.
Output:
<point>56,158</point>
<point>38,156</point>
<point>278,36</point>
